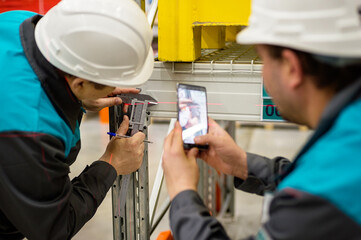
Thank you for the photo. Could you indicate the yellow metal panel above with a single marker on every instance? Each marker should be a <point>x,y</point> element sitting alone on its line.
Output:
<point>213,37</point>
<point>232,11</point>
<point>175,30</point>
<point>180,23</point>
<point>231,33</point>
<point>197,34</point>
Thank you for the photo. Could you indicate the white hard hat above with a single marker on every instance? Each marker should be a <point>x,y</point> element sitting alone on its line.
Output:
<point>104,41</point>
<point>324,27</point>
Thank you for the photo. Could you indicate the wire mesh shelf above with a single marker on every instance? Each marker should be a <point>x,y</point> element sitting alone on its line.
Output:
<point>232,53</point>
<point>232,59</point>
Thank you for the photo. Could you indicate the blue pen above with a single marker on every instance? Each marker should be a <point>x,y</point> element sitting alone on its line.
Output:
<point>124,136</point>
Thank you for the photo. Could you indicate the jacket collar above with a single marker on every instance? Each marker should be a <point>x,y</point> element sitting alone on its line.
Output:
<point>55,85</point>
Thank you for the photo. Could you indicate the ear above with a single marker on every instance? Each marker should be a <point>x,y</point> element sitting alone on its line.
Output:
<point>291,69</point>
<point>77,86</point>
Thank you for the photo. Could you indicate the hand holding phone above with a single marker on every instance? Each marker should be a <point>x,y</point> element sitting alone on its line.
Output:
<point>192,113</point>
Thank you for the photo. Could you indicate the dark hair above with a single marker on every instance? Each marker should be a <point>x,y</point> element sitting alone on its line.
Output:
<point>325,75</point>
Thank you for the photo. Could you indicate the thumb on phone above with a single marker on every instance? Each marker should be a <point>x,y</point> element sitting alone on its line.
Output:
<point>202,140</point>
<point>192,154</point>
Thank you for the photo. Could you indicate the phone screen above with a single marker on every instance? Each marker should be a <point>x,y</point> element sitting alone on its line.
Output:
<point>192,113</point>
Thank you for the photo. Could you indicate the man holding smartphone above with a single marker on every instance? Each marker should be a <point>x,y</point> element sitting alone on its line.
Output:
<point>311,52</point>
<point>53,67</point>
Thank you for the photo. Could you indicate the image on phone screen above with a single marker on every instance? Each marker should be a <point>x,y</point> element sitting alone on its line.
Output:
<point>192,112</point>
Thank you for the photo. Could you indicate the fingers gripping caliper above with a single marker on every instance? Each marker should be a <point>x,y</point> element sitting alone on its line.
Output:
<point>138,105</point>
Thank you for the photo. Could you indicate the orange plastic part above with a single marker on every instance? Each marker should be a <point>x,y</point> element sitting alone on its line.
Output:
<point>166,235</point>
<point>218,198</point>
<point>38,6</point>
<point>104,115</point>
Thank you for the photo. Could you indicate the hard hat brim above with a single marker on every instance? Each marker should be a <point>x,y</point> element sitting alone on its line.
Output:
<point>250,36</point>
<point>247,36</point>
<point>139,79</point>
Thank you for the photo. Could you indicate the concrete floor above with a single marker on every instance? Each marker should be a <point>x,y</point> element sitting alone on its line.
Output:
<point>280,141</point>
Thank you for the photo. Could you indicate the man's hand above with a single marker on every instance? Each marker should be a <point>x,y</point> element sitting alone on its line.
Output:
<point>125,154</point>
<point>109,101</point>
<point>180,169</point>
<point>223,153</point>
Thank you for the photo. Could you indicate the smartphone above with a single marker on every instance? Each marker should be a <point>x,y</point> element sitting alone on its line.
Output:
<point>192,113</point>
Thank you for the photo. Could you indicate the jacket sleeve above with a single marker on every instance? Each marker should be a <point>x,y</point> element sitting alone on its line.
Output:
<point>190,219</point>
<point>298,215</point>
<point>37,196</point>
<point>293,214</point>
<point>262,174</point>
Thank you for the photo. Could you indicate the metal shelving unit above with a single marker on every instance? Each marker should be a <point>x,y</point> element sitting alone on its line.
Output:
<point>232,76</point>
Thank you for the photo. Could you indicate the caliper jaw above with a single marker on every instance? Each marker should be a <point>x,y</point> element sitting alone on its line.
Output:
<point>138,105</point>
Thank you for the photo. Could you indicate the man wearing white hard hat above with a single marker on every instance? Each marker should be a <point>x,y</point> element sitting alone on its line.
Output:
<point>54,67</point>
<point>311,52</point>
